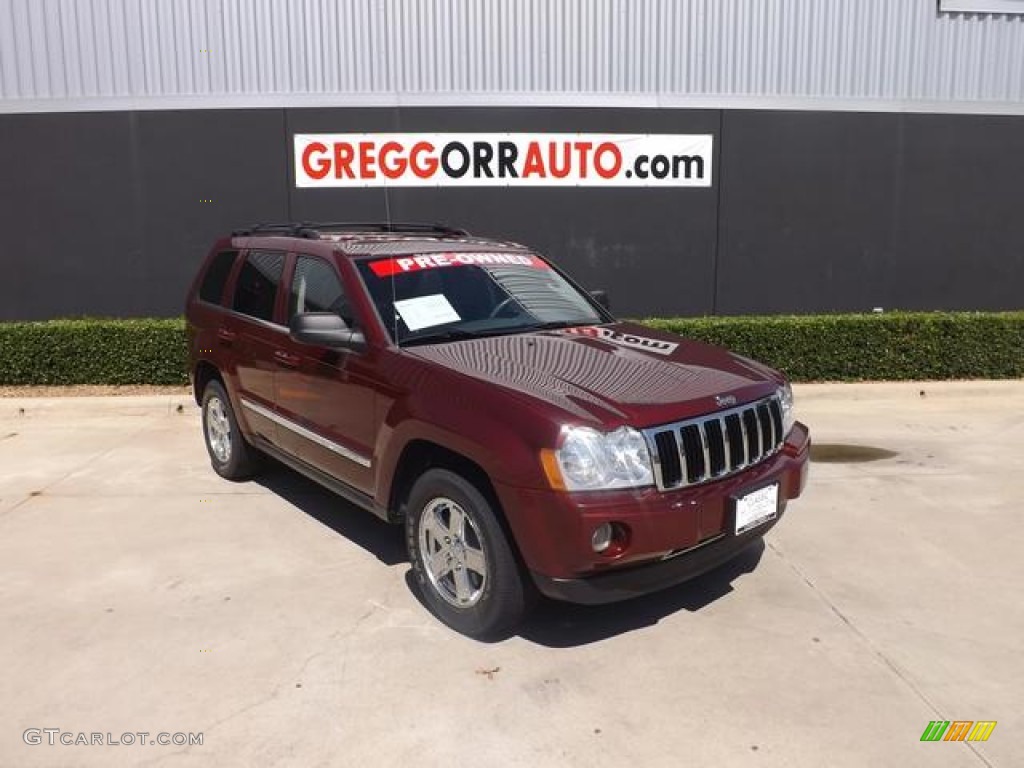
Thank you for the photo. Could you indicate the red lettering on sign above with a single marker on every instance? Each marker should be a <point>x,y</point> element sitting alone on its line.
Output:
<point>323,165</point>
<point>392,170</point>
<point>582,151</point>
<point>603,150</point>
<point>343,156</point>
<point>534,163</point>
<point>367,160</point>
<point>556,170</point>
<point>423,167</point>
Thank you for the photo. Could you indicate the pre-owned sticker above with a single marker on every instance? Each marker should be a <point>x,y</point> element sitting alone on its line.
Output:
<point>388,267</point>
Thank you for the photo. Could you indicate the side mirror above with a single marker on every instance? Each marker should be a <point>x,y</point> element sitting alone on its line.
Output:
<point>325,329</point>
<point>601,297</point>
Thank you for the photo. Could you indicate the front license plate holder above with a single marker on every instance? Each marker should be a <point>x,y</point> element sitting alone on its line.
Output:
<point>756,508</point>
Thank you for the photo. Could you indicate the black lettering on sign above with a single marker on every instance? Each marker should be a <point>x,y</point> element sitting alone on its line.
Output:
<point>508,153</point>
<point>483,153</point>
<point>455,147</point>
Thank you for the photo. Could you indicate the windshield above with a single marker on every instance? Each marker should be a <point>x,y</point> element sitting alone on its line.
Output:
<point>449,296</point>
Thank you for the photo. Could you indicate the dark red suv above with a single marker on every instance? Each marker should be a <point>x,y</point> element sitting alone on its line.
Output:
<point>469,389</point>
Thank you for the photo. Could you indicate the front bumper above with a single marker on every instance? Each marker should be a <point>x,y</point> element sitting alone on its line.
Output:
<point>624,583</point>
<point>674,535</point>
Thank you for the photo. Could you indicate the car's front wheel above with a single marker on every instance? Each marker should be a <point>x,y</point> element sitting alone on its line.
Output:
<point>462,560</point>
<point>231,456</point>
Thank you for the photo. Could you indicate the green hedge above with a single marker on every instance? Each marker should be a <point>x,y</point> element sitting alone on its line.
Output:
<point>888,346</point>
<point>88,351</point>
<point>875,347</point>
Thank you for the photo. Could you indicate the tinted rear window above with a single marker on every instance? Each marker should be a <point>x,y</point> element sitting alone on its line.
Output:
<point>258,279</point>
<point>212,289</point>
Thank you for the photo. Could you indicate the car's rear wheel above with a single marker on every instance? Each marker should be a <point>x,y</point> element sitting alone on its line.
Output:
<point>462,560</point>
<point>231,456</point>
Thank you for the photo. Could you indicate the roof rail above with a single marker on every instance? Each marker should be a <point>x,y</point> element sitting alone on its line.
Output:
<point>285,230</point>
<point>311,229</point>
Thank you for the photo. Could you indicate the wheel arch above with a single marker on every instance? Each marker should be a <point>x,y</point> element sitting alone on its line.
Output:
<point>420,455</point>
<point>204,373</point>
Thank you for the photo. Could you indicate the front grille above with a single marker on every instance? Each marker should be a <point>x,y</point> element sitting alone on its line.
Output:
<point>715,446</point>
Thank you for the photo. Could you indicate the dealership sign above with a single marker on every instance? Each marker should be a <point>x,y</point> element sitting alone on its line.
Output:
<point>502,160</point>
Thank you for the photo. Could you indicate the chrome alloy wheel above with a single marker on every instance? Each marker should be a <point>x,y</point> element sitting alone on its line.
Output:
<point>452,553</point>
<point>218,430</point>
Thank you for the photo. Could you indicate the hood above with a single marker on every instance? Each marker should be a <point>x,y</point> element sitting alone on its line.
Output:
<point>609,375</point>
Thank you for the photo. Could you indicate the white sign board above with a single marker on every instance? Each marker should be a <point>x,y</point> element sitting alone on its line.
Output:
<point>502,160</point>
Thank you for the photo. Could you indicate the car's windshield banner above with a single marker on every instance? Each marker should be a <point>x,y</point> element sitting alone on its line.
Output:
<point>397,266</point>
<point>502,160</point>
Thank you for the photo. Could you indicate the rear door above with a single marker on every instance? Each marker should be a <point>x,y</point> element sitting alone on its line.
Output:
<point>325,396</point>
<point>253,333</point>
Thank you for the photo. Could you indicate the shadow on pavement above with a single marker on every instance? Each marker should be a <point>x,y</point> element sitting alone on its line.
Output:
<point>382,540</point>
<point>564,625</point>
<point>552,624</point>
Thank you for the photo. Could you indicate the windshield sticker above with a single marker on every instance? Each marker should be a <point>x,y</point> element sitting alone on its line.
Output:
<point>426,311</point>
<point>626,339</point>
<point>388,267</point>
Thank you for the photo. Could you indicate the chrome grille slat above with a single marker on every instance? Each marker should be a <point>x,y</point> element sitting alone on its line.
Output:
<point>764,418</point>
<point>746,441</point>
<point>703,449</point>
<point>775,408</point>
<point>726,445</point>
<point>704,446</point>
<point>754,449</point>
<point>667,458</point>
<point>732,422</point>
<point>719,463</point>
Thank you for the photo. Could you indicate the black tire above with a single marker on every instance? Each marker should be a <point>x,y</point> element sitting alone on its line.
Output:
<point>495,604</point>
<point>239,461</point>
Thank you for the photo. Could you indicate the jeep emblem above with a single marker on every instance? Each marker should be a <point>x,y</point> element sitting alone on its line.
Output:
<point>725,400</point>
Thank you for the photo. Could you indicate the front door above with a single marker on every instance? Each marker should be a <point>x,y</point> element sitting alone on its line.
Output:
<point>325,396</point>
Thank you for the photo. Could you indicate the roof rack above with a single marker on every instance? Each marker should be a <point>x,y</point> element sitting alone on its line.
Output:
<point>311,229</point>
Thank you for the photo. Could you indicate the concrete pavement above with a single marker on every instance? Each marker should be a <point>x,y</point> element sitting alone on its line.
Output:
<point>140,592</point>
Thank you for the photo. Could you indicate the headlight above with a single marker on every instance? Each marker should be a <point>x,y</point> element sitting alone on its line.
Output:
<point>592,461</point>
<point>786,401</point>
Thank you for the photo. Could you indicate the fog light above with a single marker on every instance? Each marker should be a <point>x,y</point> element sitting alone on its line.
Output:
<point>602,538</point>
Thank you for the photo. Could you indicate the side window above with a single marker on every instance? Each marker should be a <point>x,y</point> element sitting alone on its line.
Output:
<point>216,276</point>
<point>257,284</point>
<point>316,288</point>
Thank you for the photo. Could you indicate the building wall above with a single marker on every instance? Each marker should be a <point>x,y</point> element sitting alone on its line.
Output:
<point>867,154</point>
<point>820,54</point>
<point>106,214</point>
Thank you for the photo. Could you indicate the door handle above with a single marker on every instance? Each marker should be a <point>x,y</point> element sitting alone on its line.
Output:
<point>285,360</point>
<point>225,336</point>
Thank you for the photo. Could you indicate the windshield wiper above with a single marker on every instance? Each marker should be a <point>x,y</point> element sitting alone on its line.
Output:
<point>461,334</point>
<point>553,325</point>
<point>452,334</point>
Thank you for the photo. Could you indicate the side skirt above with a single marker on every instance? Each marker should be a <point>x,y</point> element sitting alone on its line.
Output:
<point>332,484</point>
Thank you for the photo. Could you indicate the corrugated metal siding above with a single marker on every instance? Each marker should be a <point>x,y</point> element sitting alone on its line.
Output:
<point>151,52</point>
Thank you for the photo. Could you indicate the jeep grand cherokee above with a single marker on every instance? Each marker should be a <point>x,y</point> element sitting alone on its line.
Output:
<point>468,389</point>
